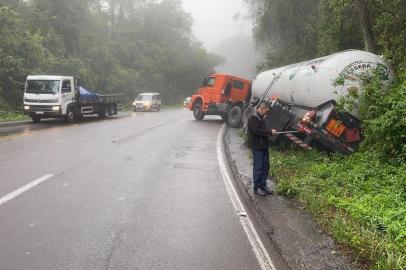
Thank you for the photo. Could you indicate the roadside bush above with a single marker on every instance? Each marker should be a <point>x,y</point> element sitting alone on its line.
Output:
<point>383,115</point>
<point>360,200</point>
<point>7,113</point>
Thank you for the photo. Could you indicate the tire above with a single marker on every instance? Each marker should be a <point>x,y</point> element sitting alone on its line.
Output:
<point>159,108</point>
<point>36,119</point>
<point>110,110</point>
<point>248,111</point>
<point>197,112</point>
<point>70,115</point>
<point>234,117</point>
<point>115,109</point>
<point>102,112</point>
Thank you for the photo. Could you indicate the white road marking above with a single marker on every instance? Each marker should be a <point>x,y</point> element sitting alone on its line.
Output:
<point>25,188</point>
<point>32,225</point>
<point>264,260</point>
<point>155,126</point>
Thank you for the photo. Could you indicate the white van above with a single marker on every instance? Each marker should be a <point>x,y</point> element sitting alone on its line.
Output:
<point>147,102</point>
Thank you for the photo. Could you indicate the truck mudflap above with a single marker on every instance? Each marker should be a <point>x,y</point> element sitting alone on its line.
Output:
<point>320,126</point>
<point>298,141</point>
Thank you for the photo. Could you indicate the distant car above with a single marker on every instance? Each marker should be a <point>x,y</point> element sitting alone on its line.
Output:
<point>186,102</point>
<point>147,102</point>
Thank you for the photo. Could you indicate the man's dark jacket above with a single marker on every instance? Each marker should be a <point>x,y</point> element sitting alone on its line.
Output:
<point>257,133</point>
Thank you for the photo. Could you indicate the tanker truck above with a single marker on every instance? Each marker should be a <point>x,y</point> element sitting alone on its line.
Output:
<point>304,96</point>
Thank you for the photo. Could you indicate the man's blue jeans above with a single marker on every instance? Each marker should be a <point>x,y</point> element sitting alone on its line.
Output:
<point>261,167</point>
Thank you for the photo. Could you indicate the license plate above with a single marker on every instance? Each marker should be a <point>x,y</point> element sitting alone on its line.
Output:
<point>336,128</point>
<point>39,112</point>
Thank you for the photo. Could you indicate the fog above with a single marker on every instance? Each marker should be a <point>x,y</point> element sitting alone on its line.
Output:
<point>224,28</point>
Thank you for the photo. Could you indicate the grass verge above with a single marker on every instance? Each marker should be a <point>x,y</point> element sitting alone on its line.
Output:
<point>12,116</point>
<point>359,200</point>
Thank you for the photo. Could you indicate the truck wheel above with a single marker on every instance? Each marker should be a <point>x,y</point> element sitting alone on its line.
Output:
<point>248,111</point>
<point>70,115</point>
<point>102,112</point>
<point>197,111</point>
<point>234,117</point>
<point>115,109</point>
<point>36,119</point>
<point>110,110</point>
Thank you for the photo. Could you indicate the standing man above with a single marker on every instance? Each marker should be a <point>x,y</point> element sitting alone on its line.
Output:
<point>258,142</point>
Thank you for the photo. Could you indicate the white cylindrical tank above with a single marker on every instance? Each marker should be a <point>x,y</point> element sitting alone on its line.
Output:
<point>311,83</point>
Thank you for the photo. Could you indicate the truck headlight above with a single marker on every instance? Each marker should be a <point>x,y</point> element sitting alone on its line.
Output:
<point>56,108</point>
<point>26,108</point>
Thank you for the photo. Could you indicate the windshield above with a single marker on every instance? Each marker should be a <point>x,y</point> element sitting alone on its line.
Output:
<point>43,87</point>
<point>144,98</point>
<point>210,81</point>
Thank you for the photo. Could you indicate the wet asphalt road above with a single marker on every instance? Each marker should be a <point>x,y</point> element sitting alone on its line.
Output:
<point>28,127</point>
<point>137,192</point>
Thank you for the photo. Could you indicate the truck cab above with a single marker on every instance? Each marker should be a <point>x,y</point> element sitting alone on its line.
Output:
<point>48,96</point>
<point>223,95</point>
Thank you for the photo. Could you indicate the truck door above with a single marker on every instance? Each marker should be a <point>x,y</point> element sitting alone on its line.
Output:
<point>237,91</point>
<point>227,90</point>
<point>67,94</point>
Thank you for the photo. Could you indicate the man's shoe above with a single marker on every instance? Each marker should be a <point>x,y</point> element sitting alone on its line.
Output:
<point>260,192</point>
<point>267,190</point>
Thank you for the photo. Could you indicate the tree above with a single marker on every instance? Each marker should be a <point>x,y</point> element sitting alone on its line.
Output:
<point>21,53</point>
<point>288,29</point>
<point>123,46</point>
<point>362,8</point>
<point>337,27</point>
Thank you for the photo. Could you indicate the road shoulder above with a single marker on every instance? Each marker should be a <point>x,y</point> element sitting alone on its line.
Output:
<point>295,235</point>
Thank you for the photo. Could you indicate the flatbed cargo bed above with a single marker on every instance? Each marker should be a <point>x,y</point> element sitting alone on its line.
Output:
<point>88,97</point>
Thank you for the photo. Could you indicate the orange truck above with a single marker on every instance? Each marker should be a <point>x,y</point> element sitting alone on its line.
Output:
<point>223,95</point>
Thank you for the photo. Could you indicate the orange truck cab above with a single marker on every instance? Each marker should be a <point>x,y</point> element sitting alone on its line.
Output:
<point>223,95</point>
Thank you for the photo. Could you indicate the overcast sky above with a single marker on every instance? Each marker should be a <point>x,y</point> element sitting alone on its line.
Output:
<point>213,19</point>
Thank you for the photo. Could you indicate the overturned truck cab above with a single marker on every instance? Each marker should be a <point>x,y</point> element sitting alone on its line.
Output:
<point>304,98</point>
